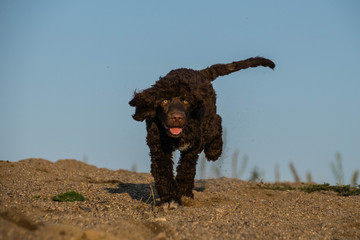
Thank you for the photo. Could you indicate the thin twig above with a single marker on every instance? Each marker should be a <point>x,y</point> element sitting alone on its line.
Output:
<point>294,172</point>
<point>152,193</point>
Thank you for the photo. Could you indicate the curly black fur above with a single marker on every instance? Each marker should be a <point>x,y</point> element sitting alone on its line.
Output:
<point>180,113</point>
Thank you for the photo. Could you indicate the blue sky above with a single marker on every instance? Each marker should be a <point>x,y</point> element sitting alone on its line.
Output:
<point>69,68</point>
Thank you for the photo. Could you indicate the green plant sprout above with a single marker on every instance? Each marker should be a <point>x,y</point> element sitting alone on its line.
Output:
<point>71,196</point>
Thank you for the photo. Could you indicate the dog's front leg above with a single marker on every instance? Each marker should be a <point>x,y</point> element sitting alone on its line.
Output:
<point>162,171</point>
<point>214,145</point>
<point>186,171</point>
<point>161,166</point>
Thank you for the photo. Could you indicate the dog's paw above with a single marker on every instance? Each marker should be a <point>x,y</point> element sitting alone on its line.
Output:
<point>213,155</point>
<point>170,205</point>
<point>187,201</point>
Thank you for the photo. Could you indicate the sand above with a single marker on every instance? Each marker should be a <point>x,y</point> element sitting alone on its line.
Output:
<point>119,205</point>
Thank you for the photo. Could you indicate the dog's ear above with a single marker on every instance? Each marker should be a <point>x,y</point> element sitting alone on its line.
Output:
<point>144,102</point>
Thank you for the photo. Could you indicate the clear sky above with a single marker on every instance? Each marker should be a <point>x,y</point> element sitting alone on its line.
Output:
<point>69,68</point>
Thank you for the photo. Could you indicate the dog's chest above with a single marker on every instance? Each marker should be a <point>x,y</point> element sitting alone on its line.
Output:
<point>184,146</point>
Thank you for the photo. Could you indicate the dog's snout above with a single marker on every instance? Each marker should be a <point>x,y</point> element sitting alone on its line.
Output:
<point>177,116</point>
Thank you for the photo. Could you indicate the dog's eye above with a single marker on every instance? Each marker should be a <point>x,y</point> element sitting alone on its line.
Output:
<point>185,101</point>
<point>165,101</point>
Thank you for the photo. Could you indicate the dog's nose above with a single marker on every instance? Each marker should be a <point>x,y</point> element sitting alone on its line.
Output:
<point>177,116</point>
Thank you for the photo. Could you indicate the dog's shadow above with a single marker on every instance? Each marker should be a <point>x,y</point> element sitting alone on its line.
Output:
<point>138,191</point>
<point>145,192</point>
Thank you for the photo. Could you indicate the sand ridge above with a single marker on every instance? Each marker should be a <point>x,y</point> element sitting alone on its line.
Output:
<point>119,205</point>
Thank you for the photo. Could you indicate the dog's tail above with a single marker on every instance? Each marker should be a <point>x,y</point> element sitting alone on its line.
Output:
<point>224,69</point>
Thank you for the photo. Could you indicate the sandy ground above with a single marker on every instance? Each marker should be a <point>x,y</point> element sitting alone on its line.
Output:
<point>119,205</point>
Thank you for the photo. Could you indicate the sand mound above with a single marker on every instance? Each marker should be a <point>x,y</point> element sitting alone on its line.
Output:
<point>119,205</point>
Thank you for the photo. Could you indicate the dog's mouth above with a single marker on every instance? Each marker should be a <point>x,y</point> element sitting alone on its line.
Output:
<point>173,131</point>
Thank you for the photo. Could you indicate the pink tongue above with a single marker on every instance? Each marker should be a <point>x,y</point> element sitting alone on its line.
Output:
<point>175,131</point>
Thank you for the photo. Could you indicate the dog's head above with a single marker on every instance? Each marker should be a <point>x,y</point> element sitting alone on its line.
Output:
<point>173,114</point>
<point>174,99</point>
